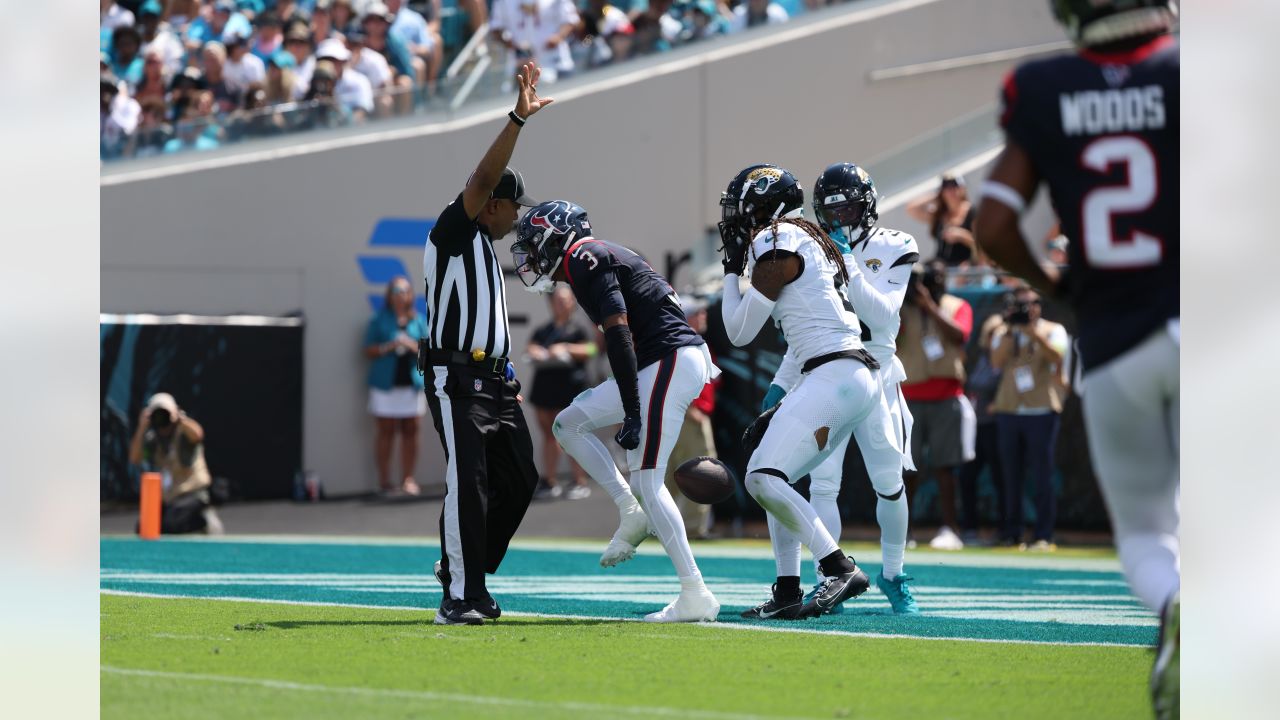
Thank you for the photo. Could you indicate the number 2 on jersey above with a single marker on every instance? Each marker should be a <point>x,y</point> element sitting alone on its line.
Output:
<point>1102,248</point>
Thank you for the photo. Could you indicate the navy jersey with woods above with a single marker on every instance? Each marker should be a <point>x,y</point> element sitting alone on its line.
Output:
<point>1102,131</point>
<point>608,279</point>
<point>466,298</point>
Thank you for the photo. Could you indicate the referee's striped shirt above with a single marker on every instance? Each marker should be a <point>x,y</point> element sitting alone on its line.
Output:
<point>466,300</point>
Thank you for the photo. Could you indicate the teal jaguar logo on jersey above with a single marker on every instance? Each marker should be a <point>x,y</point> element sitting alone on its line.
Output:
<point>874,264</point>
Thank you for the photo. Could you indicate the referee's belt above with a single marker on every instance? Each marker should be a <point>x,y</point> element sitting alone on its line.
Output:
<point>861,355</point>
<point>495,365</point>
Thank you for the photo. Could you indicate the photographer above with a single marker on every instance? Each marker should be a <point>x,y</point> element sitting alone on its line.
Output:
<point>1030,351</point>
<point>171,443</point>
<point>935,328</point>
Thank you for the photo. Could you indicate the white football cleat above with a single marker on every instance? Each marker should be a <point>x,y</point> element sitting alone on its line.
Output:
<point>633,528</point>
<point>692,606</point>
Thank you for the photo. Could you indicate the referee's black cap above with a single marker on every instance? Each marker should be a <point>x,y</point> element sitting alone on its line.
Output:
<point>511,187</point>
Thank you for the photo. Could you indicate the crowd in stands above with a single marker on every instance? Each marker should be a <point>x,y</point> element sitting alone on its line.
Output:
<point>182,75</point>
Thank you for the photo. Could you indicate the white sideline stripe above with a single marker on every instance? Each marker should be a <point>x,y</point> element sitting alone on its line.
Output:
<point>606,618</point>
<point>777,37</point>
<point>184,319</point>
<point>595,709</point>
<point>914,558</point>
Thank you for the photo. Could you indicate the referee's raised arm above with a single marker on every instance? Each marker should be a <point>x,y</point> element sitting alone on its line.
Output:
<point>482,182</point>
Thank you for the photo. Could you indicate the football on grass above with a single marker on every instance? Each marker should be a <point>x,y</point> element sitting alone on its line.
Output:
<point>705,480</point>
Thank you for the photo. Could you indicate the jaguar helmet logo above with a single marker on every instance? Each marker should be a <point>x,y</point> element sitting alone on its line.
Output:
<point>874,265</point>
<point>761,179</point>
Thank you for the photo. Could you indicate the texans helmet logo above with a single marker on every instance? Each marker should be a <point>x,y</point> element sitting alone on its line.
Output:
<point>554,218</point>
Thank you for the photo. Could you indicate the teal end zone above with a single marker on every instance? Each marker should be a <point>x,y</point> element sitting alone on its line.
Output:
<point>1041,604</point>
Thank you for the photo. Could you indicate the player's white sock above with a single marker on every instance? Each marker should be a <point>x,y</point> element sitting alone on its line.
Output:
<point>786,548</point>
<point>577,439</point>
<point>665,518</point>
<point>893,517</point>
<point>829,513</point>
<point>1150,563</point>
<point>792,510</point>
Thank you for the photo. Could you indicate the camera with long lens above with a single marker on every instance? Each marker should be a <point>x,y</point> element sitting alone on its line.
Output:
<point>161,419</point>
<point>1019,313</point>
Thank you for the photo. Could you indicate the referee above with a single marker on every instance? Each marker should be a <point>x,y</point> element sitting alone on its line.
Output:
<point>470,384</point>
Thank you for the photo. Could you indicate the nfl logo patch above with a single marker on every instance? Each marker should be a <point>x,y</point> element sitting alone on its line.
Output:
<point>477,386</point>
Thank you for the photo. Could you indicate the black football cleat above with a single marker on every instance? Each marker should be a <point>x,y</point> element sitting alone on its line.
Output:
<point>457,612</point>
<point>487,607</point>
<point>776,608</point>
<point>835,590</point>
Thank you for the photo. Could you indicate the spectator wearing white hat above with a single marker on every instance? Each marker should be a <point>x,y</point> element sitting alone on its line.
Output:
<point>171,442</point>
<point>352,90</point>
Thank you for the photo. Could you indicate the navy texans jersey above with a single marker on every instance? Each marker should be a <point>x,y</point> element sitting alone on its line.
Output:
<point>1102,131</point>
<point>608,279</point>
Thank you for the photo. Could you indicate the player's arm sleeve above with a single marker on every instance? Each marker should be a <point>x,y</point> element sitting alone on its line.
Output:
<point>743,315</point>
<point>620,347</point>
<point>454,231</point>
<point>878,302</point>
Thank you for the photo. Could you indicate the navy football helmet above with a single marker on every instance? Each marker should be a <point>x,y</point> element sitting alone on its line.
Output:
<point>757,195</point>
<point>844,203</point>
<point>1097,22</point>
<point>541,238</point>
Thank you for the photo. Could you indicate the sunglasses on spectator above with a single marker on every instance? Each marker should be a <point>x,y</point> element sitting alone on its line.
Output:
<point>399,290</point>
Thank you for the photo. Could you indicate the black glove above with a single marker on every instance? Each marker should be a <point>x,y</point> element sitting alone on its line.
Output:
<point>755,431</point>
<point>734,248</point>
<point>629,436</point>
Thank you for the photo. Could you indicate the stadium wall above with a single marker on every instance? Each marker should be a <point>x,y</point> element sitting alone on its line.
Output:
<point>646,147</point>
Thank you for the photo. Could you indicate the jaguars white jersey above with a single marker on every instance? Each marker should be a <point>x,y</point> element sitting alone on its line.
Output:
<point>885,262</point>
<point>812,312</point>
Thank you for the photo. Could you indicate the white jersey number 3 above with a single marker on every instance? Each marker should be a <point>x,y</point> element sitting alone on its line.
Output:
<point>1101,246</point>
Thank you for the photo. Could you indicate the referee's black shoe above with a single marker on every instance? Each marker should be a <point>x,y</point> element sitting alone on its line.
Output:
<point>835,590</point>
<point>457,612</point>
<point>487,606</point>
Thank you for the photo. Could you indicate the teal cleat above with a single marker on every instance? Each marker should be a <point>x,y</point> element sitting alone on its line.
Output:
<point>899,594</point>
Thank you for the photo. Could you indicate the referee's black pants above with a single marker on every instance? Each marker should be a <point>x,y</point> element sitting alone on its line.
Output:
<point>490,475</point>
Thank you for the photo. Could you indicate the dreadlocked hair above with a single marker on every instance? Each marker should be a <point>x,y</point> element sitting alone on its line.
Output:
<point>829,247</point>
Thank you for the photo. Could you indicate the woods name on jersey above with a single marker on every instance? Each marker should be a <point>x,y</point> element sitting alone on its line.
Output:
<point>1096,112</point>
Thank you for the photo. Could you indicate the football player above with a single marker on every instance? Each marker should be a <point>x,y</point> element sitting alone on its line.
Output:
<point>798,278</point>
<point>879,262</point>
<point>659,366</point>
<point>1100,128</point>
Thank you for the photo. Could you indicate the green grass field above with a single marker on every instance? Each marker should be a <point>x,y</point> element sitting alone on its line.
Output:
<point>194,629</point>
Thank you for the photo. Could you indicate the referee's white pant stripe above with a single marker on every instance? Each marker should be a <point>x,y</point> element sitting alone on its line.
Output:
<point>452,530</point>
